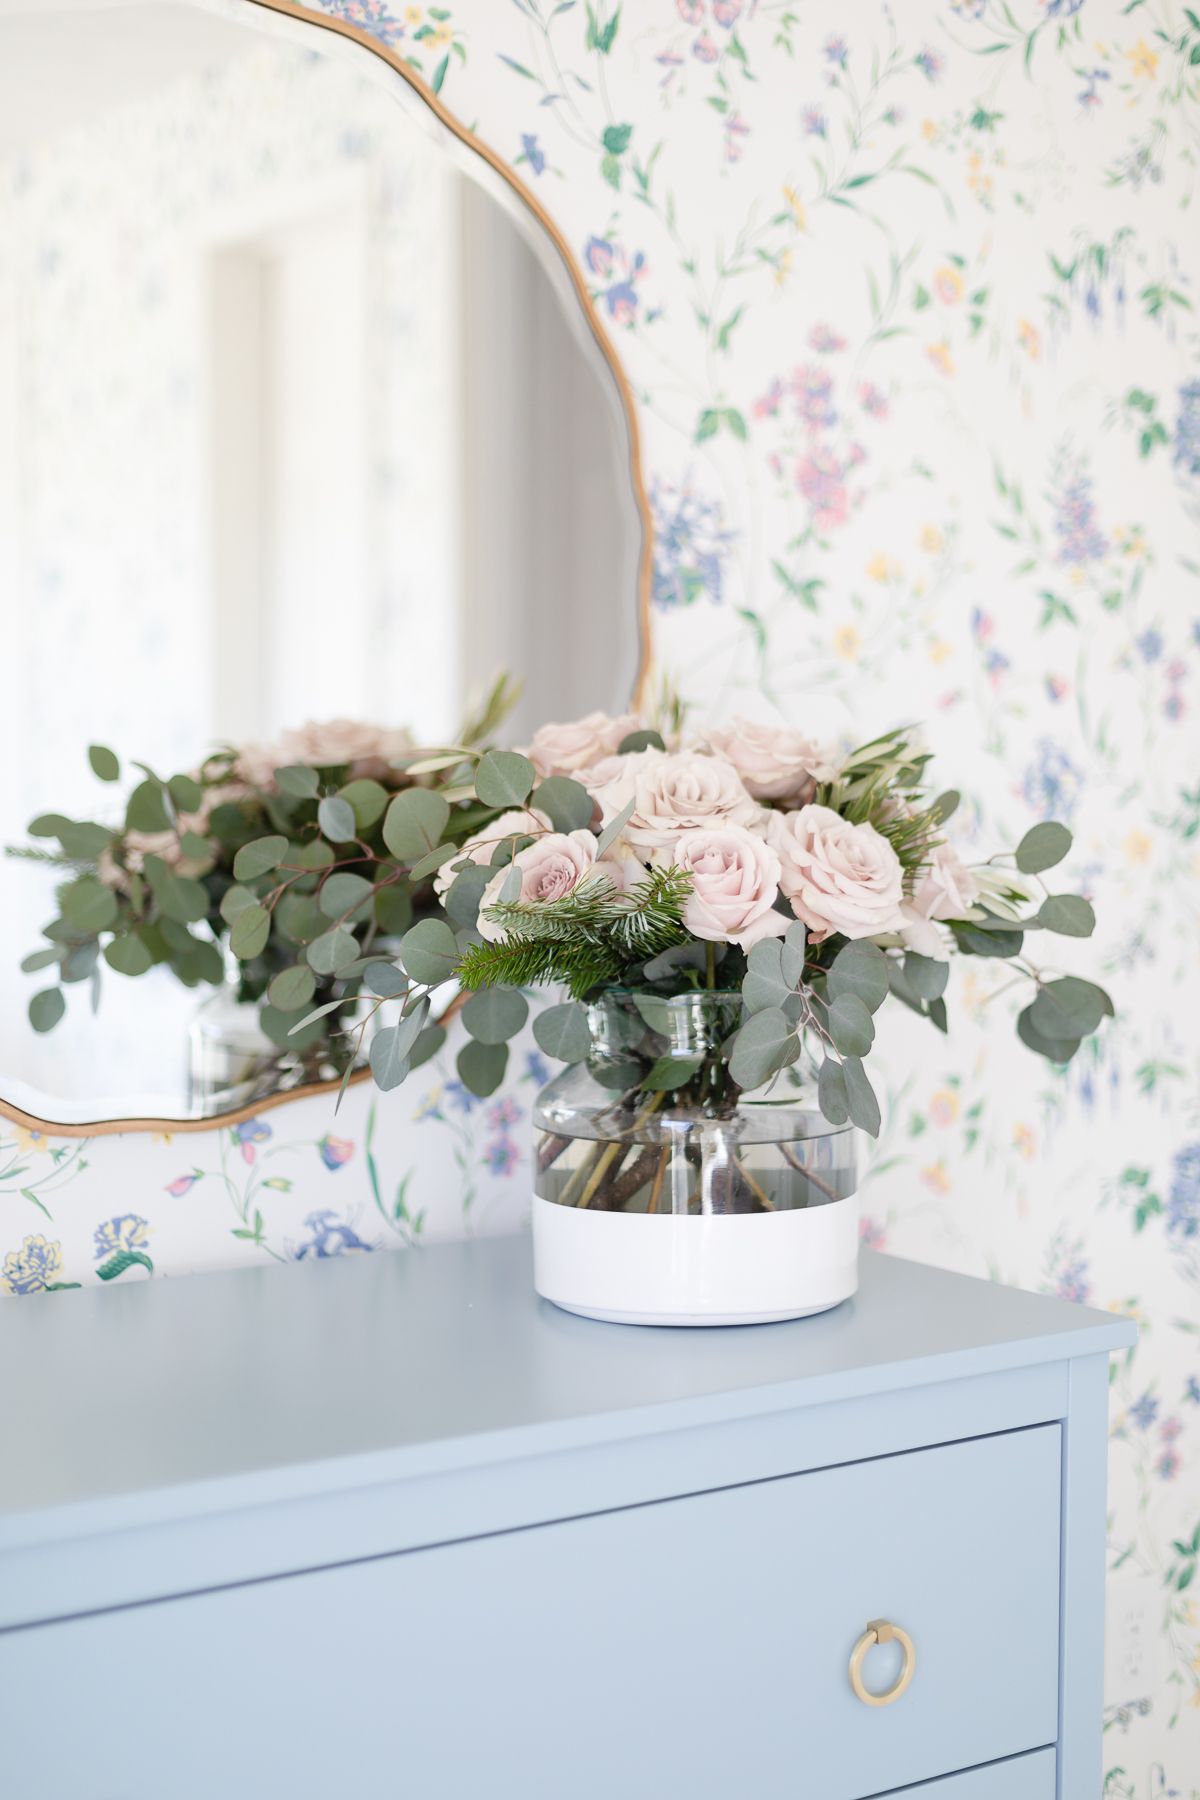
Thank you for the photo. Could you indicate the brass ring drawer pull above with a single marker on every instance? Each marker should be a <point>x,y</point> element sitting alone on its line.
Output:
<point>881,1631</point>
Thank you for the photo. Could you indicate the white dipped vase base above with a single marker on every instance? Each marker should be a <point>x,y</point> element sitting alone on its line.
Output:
<point>719,1269</point>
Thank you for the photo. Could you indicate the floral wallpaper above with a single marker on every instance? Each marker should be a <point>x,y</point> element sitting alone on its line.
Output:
<point>907,299</point>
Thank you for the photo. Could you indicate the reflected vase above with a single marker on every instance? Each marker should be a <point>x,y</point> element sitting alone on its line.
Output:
<point>697,1204</point>
<point>232,1062</point>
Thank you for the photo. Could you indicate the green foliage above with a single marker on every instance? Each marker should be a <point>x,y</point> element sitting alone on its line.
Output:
<point>590,937</point>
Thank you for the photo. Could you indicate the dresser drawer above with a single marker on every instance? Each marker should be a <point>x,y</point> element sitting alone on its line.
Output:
<point>696,1646</point>
<point>1017,1778</point>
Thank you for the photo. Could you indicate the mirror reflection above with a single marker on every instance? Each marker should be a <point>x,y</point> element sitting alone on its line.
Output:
<point>303,436</point>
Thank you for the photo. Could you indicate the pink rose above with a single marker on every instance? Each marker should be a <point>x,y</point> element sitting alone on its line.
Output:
<point>368,750</point>
<point>683,791</point>
<point>774,762</point>
<point>522,822</point>
<point>562,749</point>
<point>735,884</point>
<point>838,876</point>
<point>947,890</point>
<point>552,866</point>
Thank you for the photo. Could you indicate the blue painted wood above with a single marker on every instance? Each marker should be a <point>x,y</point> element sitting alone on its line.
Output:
<point>1019,1778</point>
<point>275,1381</point>
<point>58,1569</point>
<point>698,1647</point>
<point>1085,1445</point>
<point>303,1419</point>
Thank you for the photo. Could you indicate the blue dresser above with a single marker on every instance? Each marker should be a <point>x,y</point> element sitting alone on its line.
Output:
<point>392,1526</point>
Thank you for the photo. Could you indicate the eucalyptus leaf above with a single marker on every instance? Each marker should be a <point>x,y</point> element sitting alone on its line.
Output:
<point>1070,915</point>
<point>319,1012</point>
<point>368,798</point>
<point>332,951</point>
<point>464,894</point>
<point>84,841</point>
<point>1042,847</point>
<point>47,825</point>
<point>250,932</point>
<point>415,823</point>
<point>336,818</point>
<point>128,955</point>
<point>430,952</point>
<point>562,1032</point>
<point>481,1067</point>
<point>791,961</point>
<point>389,1061</point>
<point>510,887</point>
<point>1054,1049</point>
<point>1068,1008</point>
<point>282,1029</point>
<point>393,909</point>
<point>764,985</point>
<point>80,961</point>
<point>428,1043</point>
<point>859,969</point>
<point>292,988</point>
<point>259,857</point>
<point>105,765</point>
<point>634,741</point>
<point>435,860</point>
<point>762,1046</point>
<point>987,939</point>
<point>343,892</point>
<point>235,901</point>
<point>850,1025</point>
<point>614,828</point>
<point>195,847</point>
<point>936,1012</point>
<point>186,793</point>
<point>41,959</point>
<point>495,1014</point>
<point>147,808</point>
<point>178,896</point>
<point>386,980</point>
<point>315,855</point>
<point>88,905</point>
<point>566,803</point>
<point>927,976</point>
<point>945,806</point>
<point>860,1096</point>
<point>298,782</point>
<point>504,778</point>
<point>831,1092</point>
<point>46,1009</point>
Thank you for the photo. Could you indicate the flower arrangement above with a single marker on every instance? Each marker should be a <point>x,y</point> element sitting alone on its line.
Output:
<point>283,859</point>
<point>807,884</point>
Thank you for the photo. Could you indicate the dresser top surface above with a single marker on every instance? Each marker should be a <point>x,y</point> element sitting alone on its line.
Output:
<point>407,1363</point>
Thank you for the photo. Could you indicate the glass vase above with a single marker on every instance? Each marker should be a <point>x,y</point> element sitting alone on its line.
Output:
<point>665,1194</point>
<point>232,1062</point>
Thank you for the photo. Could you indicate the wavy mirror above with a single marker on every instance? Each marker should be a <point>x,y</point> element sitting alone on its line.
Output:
<point>307,429</point>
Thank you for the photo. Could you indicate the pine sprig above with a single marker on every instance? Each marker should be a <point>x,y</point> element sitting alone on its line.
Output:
<point>590,936</point>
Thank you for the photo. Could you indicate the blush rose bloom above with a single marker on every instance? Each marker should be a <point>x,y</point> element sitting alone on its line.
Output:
<point>564,749</point>
<point>838,876</point>
<point>774,762</point>
<point>735,884</point>
<point>368,750</point>
<point>521,822</point>
<point>675,792</point>
<point>947,890</point>
<point>552,867</point>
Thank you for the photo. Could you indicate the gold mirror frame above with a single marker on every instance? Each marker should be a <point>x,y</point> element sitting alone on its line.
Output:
<point>357,35</point>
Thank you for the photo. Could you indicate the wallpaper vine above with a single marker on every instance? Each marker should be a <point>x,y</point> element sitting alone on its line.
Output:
<point>908,302</point>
